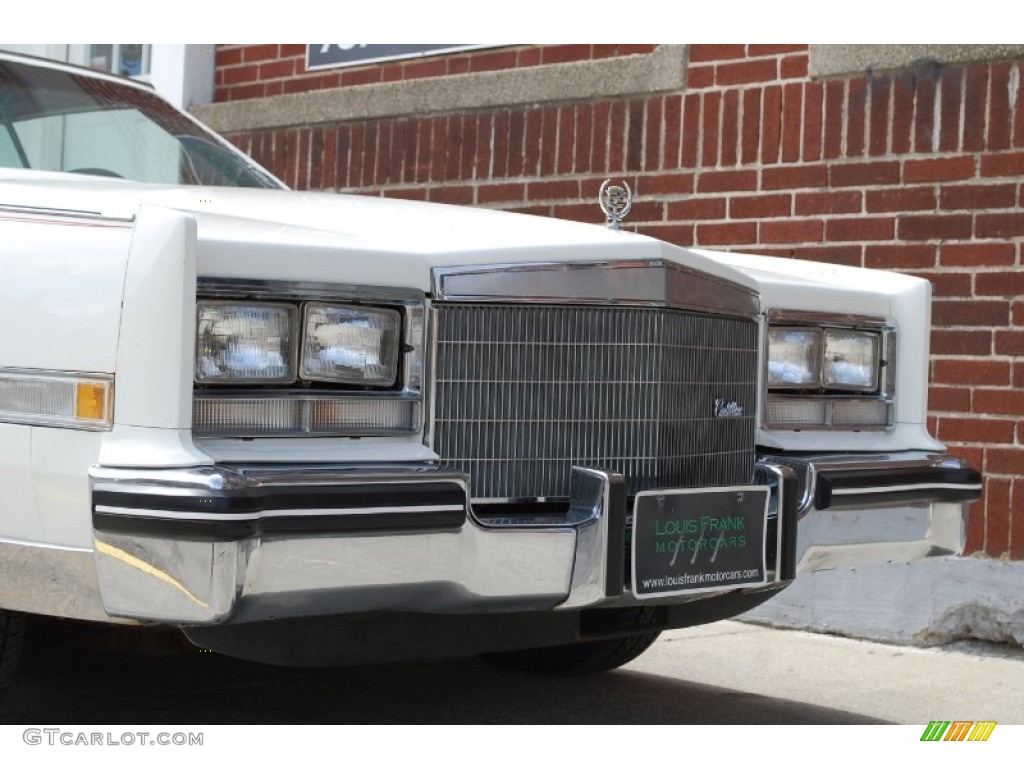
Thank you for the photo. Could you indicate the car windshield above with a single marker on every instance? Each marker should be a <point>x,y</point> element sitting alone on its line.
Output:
<point>56,120</point>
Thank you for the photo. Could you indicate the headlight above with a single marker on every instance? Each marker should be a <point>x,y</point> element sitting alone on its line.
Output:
<point>794,358</point>
<point>851,360</point>
<point>245,343</point>
<point>350,344</point>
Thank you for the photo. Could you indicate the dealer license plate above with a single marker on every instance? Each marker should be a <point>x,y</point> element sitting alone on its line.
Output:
<point>697,540</point>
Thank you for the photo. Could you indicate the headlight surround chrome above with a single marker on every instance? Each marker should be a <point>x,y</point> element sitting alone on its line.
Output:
<point>245,343</point>
<point>350,344</point>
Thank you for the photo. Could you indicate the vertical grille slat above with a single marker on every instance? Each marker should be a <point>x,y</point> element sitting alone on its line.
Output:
<point>524,392</point>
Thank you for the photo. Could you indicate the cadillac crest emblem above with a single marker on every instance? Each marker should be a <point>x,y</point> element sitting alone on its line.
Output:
<point>616,201</point>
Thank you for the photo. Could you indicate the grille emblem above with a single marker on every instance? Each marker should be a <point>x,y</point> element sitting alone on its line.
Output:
<point>615,202</point>
<point>726,409</point>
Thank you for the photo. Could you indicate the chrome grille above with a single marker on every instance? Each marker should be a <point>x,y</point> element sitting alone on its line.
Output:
<point>524,392</point>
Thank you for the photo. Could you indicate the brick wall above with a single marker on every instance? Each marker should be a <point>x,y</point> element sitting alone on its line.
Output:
<point>917,170</point>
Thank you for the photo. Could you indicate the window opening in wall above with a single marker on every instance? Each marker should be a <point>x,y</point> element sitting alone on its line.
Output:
<point>128,59</point>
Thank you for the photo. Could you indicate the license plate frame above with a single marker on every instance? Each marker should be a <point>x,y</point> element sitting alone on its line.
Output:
<point>691,540</point>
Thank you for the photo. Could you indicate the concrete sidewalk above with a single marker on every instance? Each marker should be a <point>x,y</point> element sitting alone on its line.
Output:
<point>897,684</point>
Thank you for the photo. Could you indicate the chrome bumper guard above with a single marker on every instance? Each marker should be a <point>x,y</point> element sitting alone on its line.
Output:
<point>220,544</point>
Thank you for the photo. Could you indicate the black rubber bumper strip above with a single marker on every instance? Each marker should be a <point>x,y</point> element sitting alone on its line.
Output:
<point>239,514</point>
<point>897,485</point>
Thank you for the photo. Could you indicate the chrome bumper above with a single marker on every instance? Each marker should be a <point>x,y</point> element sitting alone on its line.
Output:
<point>239,544</point>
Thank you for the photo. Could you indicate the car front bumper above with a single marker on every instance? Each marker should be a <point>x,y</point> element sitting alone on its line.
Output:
<point>237,544</point>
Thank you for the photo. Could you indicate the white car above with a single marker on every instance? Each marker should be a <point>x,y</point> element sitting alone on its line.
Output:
<point>316,428</point>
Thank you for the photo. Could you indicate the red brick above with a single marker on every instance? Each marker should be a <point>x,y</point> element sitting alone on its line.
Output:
<point>652,142</point>
<point>792,110</point>
<point>902,112</point>
<point>293,49</point>
<point>556,189</point>
<point>997,516</point>
<point>999,108</point>
<point>470,133</point>
<point>949,118</point>
<point>1018,313</point>
<point>856,112</point>
<point>673,130</point>
<point>363,76</point>
<point>924,113</point>
<point>705,52</point>
<point>697,208</point>
<point>977,343</point>
<point>285,68</point>
<point>751,71</point>
<point>793,67</point>
<point>647,211</point>
<point>247,91</point>
<point>730,127</point>
<point>977,255</point>
<point>948,283</point>
<point>974,107</point>
<point>812,203</point>
<point>975,527</point>
<point>814,96</point>
<point>835,100</point>
<point>709,152</point>
<point>795,231</point>
<point>795,177</point>
<point>893,256</point>
<point>860,229</point>
<point>1000,225</point>
<point>760,206</point>
<point>457,65</point>
<point>691,130</point>
<point>424,68</point>
<point>582,212</point>
<point>1006,164</point>
<point>942,169</point>
<point>665,184</point>
<point>260,52</point>
<point>243,74</point>
<point>451,195</point>
<point>501,193</point>
<point>562,54</point>
<point>1010,342</point>
<point>900,199</point>
<point>225,57</point>
<point>1017,520</point>
<point>680,234</point>
<point>847,255</point>
<point>771,124</point>
<point>878,139</point>
<point>973,372</point>
<point>739,233</point>
<point>976,313</point>
<point>972,196</point>
<point>751,139</point>
<point>863,174</point>
<point>769,50</point>
<point>492,61</point>
<point>949,399</point>
<point>549,138</point>
<point>1005,402</point>
<point>975,430</point>
<point>700,77</point>
<point>949,227</point>
<point>727,181</point>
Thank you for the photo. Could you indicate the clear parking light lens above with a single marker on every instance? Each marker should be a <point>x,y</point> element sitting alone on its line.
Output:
<point>245,343</point>
<point>79,401</point>
<point>851,360</point>
<point>351,344</point>
<point>794,356</point>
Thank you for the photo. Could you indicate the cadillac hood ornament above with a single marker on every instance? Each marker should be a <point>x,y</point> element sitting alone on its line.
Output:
<point>615,201</point>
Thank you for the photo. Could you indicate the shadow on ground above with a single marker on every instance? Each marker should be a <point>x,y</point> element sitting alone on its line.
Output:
<point>73,673</point>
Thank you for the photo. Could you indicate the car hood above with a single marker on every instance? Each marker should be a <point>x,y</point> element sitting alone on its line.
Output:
<point>281,234</point>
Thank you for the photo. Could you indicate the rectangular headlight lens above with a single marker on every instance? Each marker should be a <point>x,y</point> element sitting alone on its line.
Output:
<point>851,360</point>
<point>351,344</point>
<point>794,356</point>
<point>245,343</point>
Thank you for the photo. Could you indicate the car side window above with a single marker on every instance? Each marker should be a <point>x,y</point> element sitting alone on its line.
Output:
<point>9,157</point>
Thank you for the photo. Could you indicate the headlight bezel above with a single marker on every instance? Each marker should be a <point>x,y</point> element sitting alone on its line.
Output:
<point>404,394</point>
<point>828,404</point>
